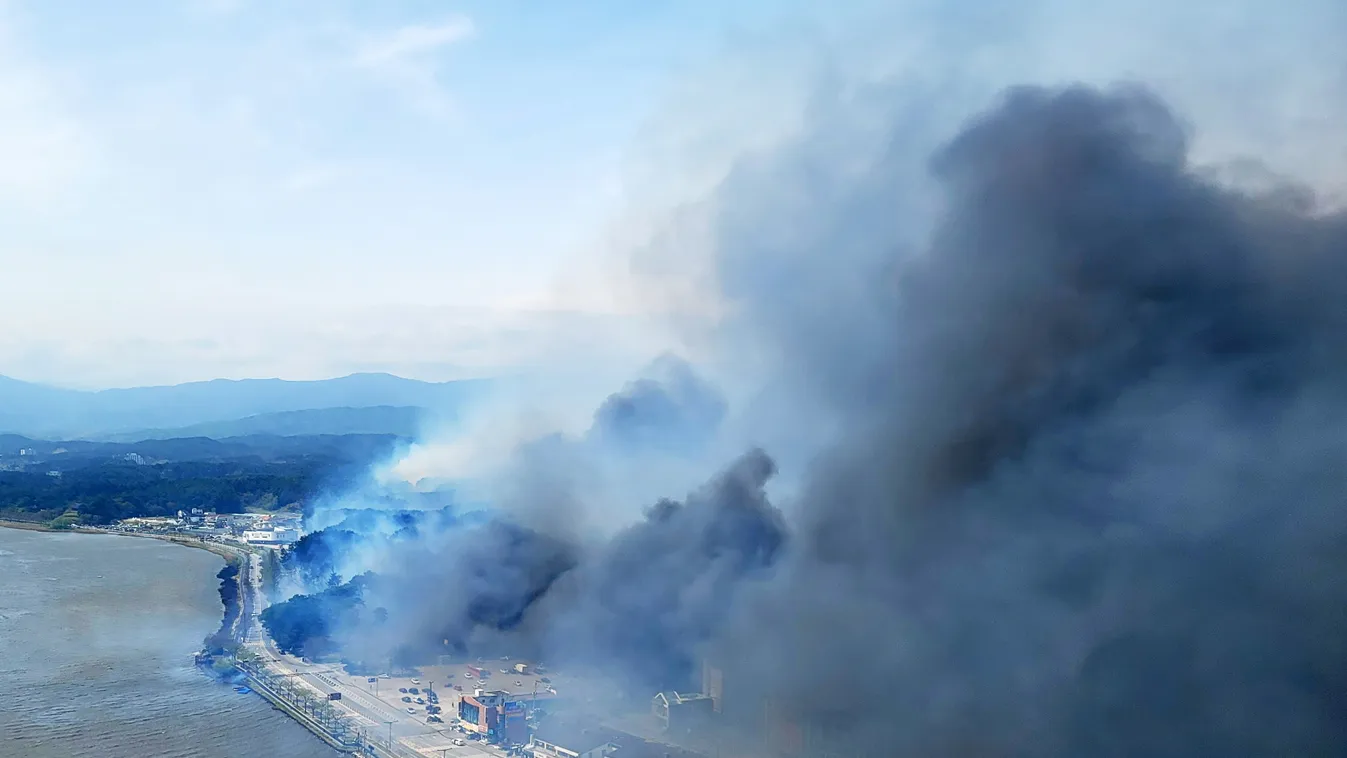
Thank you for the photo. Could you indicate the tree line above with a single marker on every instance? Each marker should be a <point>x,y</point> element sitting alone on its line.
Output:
<point>113,490</point>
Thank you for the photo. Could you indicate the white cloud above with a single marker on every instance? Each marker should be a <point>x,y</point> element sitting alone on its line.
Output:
<point>406,59</point>
<point>409,41</point>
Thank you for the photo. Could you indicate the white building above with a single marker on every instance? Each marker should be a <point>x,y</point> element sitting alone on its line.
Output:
<point>271,536</point>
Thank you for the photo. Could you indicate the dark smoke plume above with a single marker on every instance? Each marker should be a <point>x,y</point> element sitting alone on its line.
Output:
<point>671,409</point>
<point>647,601</point>
<point>1090,499</point>
<point>1081,487</point>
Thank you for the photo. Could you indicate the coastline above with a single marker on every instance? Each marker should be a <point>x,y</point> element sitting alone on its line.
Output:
<point>38,526</point>
<point>259,681</point>
<point>157,661</point>
<point>229,554</point>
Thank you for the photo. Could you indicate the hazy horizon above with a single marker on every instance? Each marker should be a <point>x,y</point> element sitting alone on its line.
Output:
<point>240,379</point>
<point>231,188</point>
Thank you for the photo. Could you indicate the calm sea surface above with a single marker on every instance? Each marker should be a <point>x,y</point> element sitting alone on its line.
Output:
<point>96,640</point>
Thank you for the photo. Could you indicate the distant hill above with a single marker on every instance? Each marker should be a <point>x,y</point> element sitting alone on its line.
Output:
<point>400,421</point>
<point>67,454</point>
<point>40,411</point>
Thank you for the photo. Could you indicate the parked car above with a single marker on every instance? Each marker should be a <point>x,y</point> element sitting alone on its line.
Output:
<point>402,689</point>
<point>406,698</point>
<point>414,690</point>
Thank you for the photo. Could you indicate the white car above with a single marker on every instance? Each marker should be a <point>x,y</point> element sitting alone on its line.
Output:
<point>411,710</point>
<point>416,681</point>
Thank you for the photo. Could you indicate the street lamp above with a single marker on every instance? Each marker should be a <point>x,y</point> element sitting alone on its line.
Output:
<point>390,734</point>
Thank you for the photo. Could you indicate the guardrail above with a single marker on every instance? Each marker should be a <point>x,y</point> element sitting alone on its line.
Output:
<point>315,713</point>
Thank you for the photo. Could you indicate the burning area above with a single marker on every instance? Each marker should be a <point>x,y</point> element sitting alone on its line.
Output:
<point>1072,483</point>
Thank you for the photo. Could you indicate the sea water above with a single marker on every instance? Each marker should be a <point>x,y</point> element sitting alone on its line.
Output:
<point>96,640</point>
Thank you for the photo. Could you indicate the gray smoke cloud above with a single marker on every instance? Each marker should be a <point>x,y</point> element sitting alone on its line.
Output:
<point>656,435</point>
<point>1089,497</point>
<point>517,577</point>
<point>1062,405</point>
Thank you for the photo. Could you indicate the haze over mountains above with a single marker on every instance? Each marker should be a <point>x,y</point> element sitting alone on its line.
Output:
<point>355,404</point>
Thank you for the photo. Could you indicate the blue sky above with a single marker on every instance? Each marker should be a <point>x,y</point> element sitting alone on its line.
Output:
<point>304,188</point>
<point>205,188</point>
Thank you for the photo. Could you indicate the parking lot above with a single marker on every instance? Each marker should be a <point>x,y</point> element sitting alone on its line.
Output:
<point>449,682</point>
<point>415,728</point>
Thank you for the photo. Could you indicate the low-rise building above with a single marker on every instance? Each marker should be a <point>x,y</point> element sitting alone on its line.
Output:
<point>499,716</point>
<point>682,713</point>
<point>573,740</point>
<point>639,748</point>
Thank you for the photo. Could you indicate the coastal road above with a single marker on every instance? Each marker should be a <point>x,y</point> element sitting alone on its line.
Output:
<point>372,707</point>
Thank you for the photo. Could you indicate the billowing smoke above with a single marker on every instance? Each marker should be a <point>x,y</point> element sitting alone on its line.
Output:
<point>1090,498</point>
<point>671,409</point>
<point>1075,411</point>
<point>518,578</point>
<point>656,435</point>
<point>643,604</point>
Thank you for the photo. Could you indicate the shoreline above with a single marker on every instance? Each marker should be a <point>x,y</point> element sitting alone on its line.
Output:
<point>228,553</point>
<point>233,556</point>
<point>38,526</point>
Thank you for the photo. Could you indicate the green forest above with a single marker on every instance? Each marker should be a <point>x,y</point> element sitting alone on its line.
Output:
<point>100,489</point>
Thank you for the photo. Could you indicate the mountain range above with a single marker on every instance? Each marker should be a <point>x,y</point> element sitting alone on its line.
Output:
<point>355,404</point>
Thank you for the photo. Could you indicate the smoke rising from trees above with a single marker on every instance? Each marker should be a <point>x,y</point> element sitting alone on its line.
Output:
<point>1074,411</point>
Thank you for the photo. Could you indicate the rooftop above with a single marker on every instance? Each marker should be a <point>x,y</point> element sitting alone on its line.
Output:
<point>678,698</point>
<point>644,749</point>
<point>575,736</point>
<point>631,746</point>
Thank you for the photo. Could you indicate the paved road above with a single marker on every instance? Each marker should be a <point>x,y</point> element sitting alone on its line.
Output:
<point>413,736</point>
